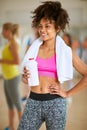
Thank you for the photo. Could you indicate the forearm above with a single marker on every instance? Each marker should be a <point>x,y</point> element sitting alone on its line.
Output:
<point>11,62</point>
<point>79,86</point>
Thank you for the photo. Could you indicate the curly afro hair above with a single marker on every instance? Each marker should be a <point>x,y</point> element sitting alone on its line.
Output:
<point>51,10</point>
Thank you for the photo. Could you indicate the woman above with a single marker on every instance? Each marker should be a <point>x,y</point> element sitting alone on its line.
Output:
<point>10,61</point>
<point>47,101</point>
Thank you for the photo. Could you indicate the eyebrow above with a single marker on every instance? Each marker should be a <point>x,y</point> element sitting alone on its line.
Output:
<point>45,24</point>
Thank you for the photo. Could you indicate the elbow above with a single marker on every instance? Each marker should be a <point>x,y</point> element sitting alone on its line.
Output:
<point>85,75</point>
<point>17,62</point>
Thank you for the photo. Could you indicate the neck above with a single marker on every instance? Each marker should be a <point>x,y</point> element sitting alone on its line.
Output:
<point>50,44</point>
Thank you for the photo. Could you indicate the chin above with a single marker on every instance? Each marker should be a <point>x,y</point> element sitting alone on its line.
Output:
<point>44,39</point>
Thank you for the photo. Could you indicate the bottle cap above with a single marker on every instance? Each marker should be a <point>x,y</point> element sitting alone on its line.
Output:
<point>31,58</point>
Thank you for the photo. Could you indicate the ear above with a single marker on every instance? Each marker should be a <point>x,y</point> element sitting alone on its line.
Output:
<point>58,29</point>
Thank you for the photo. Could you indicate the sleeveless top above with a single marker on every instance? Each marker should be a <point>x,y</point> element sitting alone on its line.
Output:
<point>9,70</point>
<point>47,67</point>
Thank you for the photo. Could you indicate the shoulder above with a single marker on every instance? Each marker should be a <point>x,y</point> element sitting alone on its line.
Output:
<point>13,44</point>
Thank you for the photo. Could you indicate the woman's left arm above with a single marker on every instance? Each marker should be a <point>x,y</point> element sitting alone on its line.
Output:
<point>82,69</point>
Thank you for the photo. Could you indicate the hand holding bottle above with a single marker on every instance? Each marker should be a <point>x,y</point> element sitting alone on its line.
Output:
<point>31,72</point>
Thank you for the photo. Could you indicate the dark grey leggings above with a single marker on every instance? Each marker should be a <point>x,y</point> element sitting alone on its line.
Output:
<point>11,88</point>
<point>53,112</point>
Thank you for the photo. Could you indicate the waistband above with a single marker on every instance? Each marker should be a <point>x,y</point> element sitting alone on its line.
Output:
<point>43,97</point>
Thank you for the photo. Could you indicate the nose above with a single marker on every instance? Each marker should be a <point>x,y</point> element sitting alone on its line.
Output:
<point>42,29</point>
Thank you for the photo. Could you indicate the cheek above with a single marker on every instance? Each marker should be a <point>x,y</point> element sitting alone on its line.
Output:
<point>4,34</point>
<point>52,33</point>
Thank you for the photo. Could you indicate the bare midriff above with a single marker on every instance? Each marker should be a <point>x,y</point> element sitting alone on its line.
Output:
<point>44,84</point>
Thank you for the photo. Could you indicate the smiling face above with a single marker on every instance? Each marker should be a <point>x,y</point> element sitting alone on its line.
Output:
<point>47,29</point>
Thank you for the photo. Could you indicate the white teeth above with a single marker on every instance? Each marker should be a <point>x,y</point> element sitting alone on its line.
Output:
<point>43,34</point>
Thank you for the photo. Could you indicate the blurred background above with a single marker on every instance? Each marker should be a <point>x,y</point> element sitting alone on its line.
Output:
<point>19,11</point>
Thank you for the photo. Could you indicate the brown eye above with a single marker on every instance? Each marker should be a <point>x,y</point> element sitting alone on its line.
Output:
<point>47,26</point>
<point>39,27</point>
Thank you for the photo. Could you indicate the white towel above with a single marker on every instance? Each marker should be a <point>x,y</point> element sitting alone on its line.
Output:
<point>63,58</point>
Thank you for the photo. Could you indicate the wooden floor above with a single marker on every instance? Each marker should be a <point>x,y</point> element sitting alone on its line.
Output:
<point>76,112</point>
